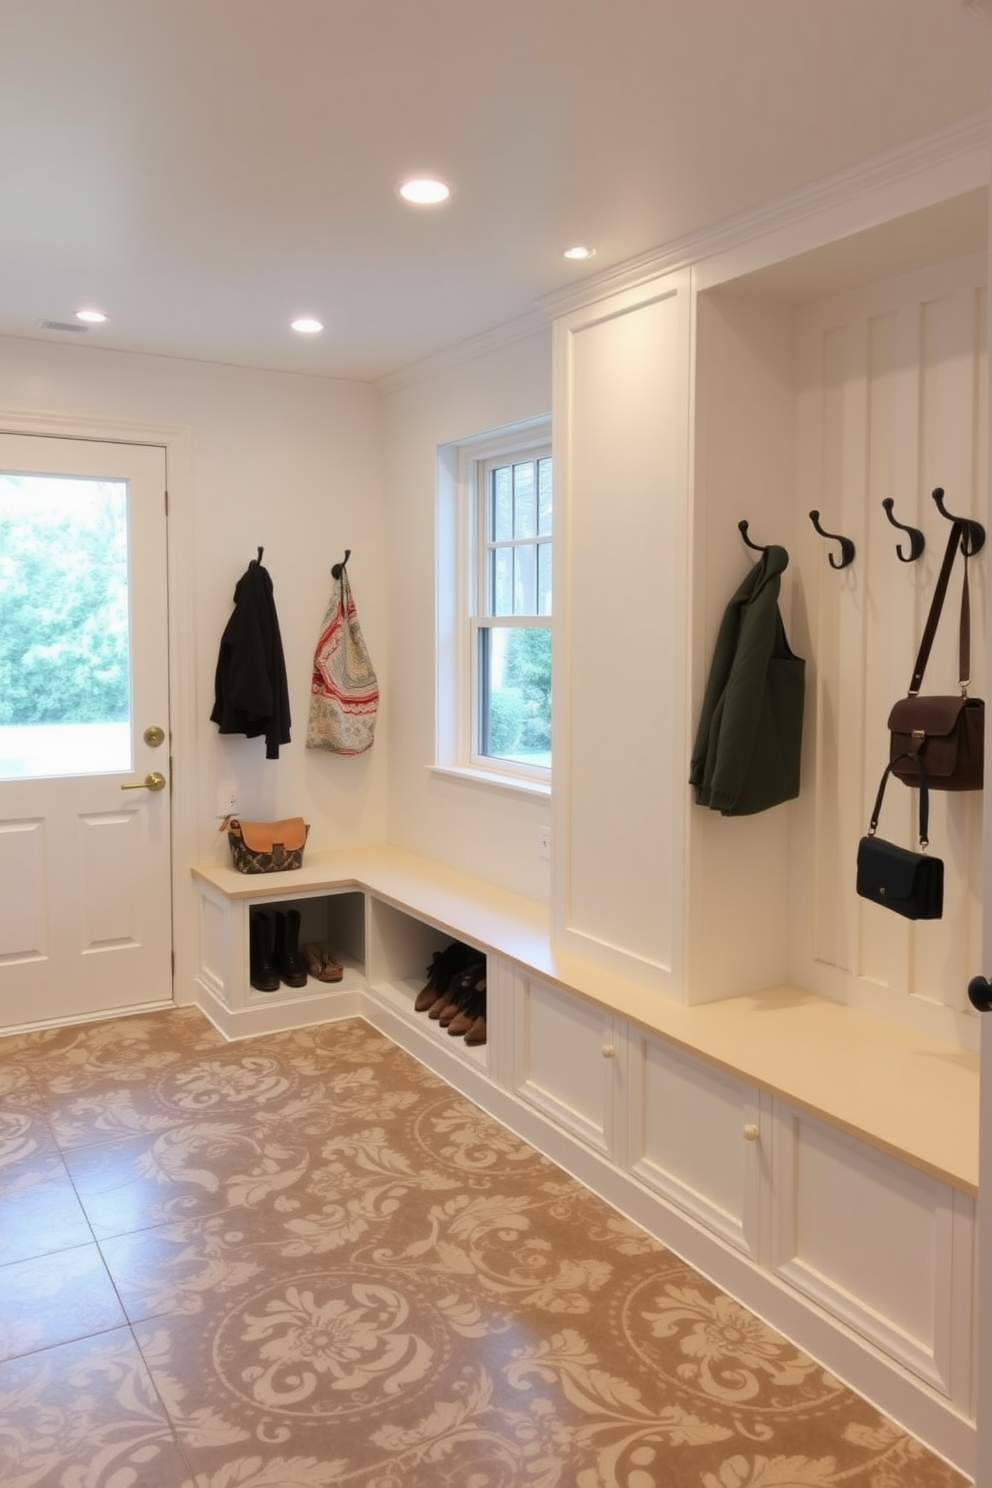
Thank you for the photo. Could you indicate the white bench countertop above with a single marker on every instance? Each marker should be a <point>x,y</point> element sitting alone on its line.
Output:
<point>900,1090</point>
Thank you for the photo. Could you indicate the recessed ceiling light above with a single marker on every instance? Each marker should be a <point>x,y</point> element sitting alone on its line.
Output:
<point>424,191</point>
<point>306,325</point>
<point>579,251</point>
<point>92,317</point>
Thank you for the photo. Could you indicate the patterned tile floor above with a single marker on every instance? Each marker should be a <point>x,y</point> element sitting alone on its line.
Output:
<point>304,1261</point>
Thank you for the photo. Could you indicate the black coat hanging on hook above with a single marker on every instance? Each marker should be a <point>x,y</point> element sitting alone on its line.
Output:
<point>251,695</point>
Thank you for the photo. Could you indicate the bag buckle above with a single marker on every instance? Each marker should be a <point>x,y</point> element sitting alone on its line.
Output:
<point>918,734</point>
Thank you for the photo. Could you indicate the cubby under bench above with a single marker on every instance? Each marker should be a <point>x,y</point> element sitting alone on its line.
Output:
<point>818,1163</point>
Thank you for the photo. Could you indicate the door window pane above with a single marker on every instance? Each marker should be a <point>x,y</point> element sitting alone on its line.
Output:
<point>65,689</point>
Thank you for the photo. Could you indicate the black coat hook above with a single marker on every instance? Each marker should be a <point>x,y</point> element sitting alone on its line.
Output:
<point>742,529</point>
<point>846,545</point>
<point>976,532</point>
<point>338,568</point>
<point>260,552</point>
<point>917,542</point>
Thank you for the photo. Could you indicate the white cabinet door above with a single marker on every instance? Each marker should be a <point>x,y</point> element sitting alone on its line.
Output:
<point>564,1060</point>
<point>882,1245</point>
<point>694,1137</point>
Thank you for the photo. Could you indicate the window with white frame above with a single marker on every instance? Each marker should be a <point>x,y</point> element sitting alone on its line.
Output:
<point>511,615</point>
<point>495,506</point>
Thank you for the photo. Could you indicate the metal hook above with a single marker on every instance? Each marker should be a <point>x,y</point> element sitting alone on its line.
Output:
<point>742,529</point>
<point>338,568</point>
<point>260,552</point>
<point>976,532</point>
<point>846,545</point>
<point>917,542</point>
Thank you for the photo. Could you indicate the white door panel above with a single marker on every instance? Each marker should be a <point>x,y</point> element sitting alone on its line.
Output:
<point>85,864</point>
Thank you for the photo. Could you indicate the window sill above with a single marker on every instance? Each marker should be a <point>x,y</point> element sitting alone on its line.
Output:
<point>494,780</point>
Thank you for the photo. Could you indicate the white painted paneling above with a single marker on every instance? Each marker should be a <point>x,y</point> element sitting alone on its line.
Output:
<point>876,1242</point>
<point>744,463</point>
<point>694,1137</point>
<point>620,524</point>
<point>890,404</point>
<point>836,406</point>
<point>565,1060</point>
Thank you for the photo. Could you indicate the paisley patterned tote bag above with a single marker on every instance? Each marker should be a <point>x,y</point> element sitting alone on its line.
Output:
<point>344,691</point>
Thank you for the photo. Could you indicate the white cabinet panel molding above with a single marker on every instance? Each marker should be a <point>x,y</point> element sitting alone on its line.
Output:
<point>879,1244</point>
<point>566,1060</point>
<point>620,451</point>
<point>695,1137</point>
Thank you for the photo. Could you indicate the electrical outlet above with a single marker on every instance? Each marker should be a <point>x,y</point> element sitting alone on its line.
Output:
<point>544,842</point>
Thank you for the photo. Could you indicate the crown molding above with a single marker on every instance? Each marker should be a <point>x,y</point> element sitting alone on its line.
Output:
<point>520,329</point>
<point>967,141</point>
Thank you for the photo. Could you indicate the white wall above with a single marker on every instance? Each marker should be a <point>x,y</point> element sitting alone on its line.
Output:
<point>476,828</point>
<point>285,462</point>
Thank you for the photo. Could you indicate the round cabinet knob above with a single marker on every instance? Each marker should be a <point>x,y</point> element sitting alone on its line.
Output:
<point>751,1132</point>
<point>608,1051</point>
<point>980,993</point>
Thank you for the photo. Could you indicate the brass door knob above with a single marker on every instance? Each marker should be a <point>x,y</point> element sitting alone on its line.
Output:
<point>153,781</point>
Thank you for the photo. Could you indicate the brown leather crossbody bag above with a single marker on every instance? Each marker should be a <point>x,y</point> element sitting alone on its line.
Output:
<point>946,732</point>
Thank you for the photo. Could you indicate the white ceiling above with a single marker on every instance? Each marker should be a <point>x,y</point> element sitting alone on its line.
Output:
<point>203,170</point>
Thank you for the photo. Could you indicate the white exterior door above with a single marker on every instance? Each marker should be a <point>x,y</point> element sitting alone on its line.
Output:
<point>85,839</point>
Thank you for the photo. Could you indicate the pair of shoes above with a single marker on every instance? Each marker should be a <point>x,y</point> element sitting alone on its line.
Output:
<point>275,957</point>
<point>469,1021</point>
<point>445,966</point>
<point>459,988</point>
<point>464,1001</point>
<point>321,964</point>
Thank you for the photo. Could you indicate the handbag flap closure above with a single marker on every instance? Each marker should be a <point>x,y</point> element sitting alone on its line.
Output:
<point>290,834</point>
<point>886,871</point>
<point>927,717</point>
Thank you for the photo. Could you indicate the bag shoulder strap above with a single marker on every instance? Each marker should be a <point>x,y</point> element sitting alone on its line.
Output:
<point>957,539</point>
<point>921,771</point>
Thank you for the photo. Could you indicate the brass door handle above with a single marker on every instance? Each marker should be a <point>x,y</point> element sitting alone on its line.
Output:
<point>153,781</point>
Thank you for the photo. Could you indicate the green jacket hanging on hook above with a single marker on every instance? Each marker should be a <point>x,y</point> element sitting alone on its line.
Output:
<point>748,745</point>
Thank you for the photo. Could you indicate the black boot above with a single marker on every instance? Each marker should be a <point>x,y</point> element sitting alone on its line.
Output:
<point>264,975</point>
<point>289,959</point>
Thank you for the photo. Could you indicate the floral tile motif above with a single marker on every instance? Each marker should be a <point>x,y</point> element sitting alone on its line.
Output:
<point>91,1105</point>
<point>342,1274</point>
<point>85,1415</point>
<point>55,1299</point>
<point>120,1044</point>
<point>39,1208</point>
<point>181,1269</point>
<point>185,1171</point>
<point>24,1131</point>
